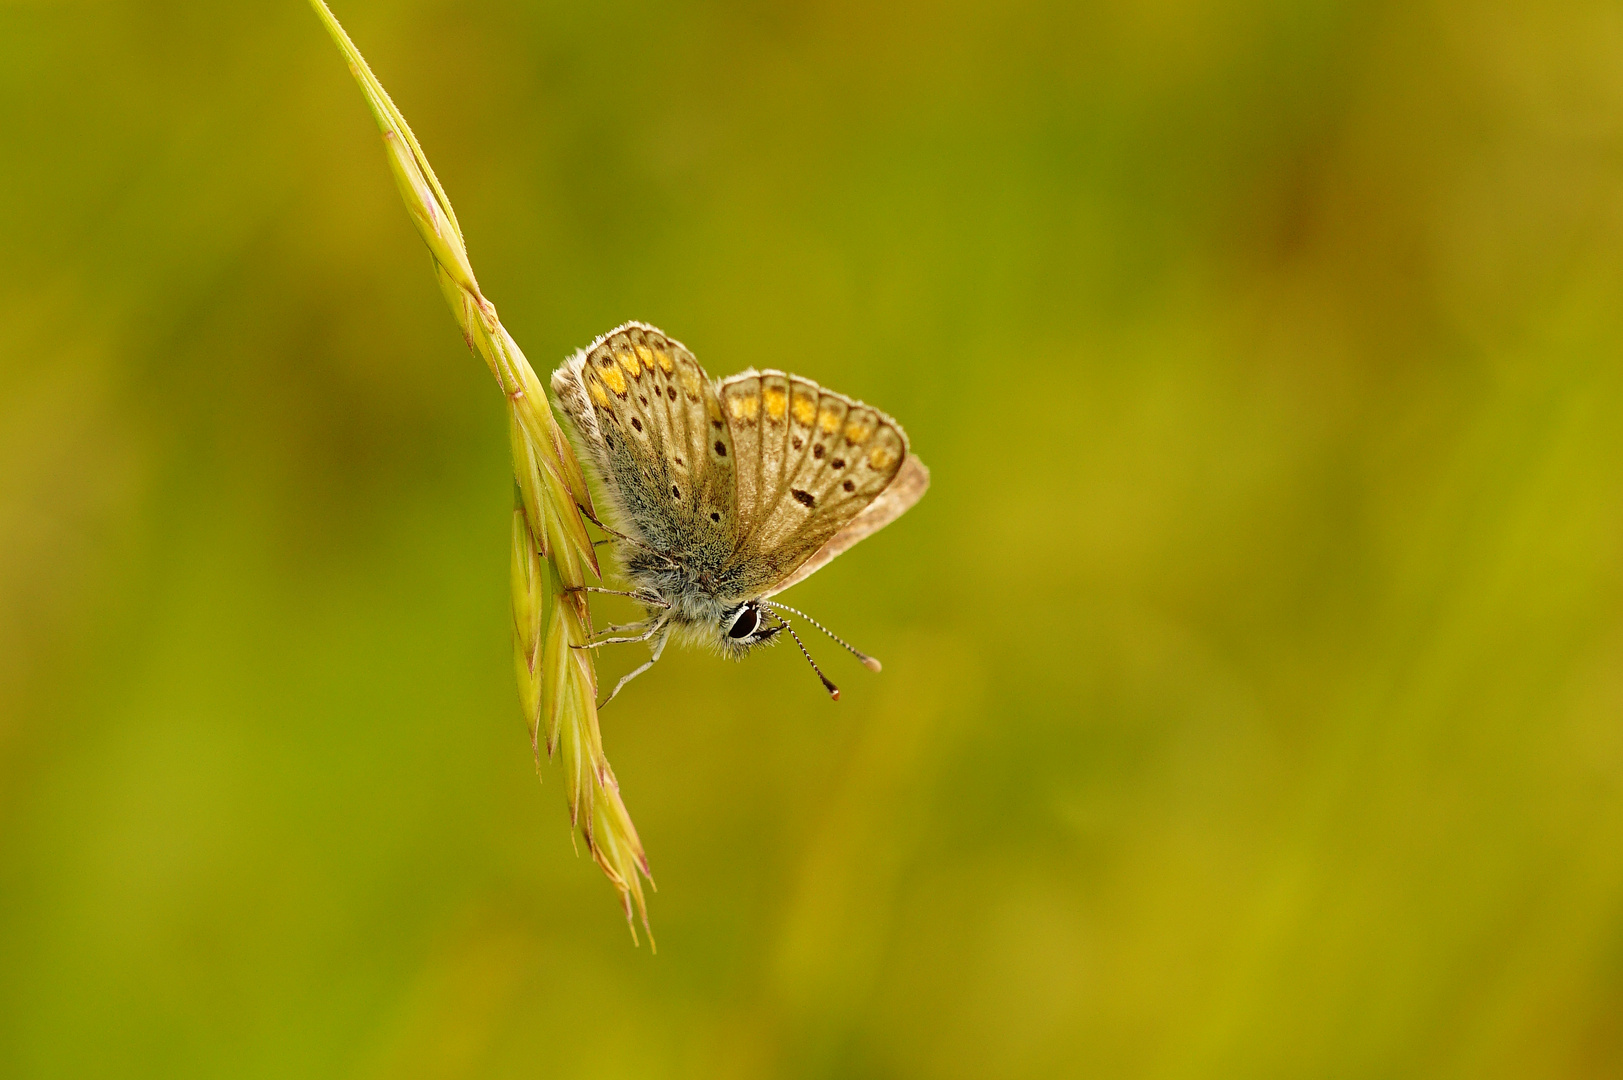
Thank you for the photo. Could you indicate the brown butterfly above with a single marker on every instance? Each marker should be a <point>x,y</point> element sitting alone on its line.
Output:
<point>724,493</point>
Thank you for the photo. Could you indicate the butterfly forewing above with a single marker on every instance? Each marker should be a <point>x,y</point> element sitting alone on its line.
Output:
<point>808,462</point>
<point>908,486</point>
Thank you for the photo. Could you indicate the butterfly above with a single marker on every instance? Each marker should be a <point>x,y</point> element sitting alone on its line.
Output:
<point>723,493</point>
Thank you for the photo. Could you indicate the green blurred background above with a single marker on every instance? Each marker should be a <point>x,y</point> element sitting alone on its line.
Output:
<point>1253,699</point>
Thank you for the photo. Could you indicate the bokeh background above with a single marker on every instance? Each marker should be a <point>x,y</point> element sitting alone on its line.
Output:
<point>1253,700</point>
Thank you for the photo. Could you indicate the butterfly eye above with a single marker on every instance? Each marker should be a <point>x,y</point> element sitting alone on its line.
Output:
<point>745,622</point>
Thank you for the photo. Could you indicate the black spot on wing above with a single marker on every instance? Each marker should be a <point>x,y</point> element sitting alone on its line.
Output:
<point>804,498</point>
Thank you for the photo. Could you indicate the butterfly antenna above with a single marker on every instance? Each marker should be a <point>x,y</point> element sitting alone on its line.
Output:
<point>833,691</point>
<point>867,661</point>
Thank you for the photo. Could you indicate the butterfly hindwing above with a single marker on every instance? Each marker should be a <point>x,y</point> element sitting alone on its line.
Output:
<point>808,462</point>
<point>653,426</point>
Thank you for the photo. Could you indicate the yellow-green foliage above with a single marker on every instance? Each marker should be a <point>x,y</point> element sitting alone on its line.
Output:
<point>1252,670</point>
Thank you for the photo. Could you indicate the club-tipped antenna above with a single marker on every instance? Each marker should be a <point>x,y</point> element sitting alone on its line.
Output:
<point>833,691</point>
<point>867,661</point>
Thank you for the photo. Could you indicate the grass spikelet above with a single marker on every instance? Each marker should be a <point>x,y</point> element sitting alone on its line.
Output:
<point>552,553</point>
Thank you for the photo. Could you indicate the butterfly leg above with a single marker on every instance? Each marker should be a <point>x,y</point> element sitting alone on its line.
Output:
<point>657,648</point>
<point>653,628</point>
<point>647,632</point>
<point>643,597</point>
<point>662,556</point>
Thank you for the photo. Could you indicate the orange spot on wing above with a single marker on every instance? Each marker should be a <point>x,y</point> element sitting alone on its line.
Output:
<point>776,402</point>
<point>615,380</point>
<point>881,458</point>
<point>804,408</point>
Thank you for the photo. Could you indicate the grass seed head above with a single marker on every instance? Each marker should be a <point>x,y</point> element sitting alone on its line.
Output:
<point>557,684</point>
